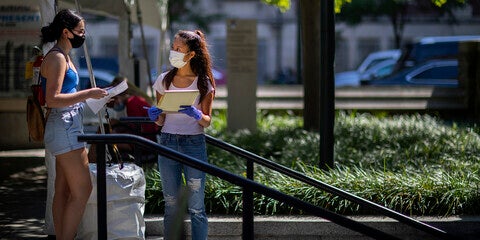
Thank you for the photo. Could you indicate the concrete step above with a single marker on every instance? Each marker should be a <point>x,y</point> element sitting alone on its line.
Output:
<point>309,228</point>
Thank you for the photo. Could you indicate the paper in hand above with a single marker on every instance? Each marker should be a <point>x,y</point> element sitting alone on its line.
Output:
<point>97,104</point>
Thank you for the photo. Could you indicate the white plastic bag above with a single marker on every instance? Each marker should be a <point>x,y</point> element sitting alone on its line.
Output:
<point>125,204</point>
<point>48,228</point>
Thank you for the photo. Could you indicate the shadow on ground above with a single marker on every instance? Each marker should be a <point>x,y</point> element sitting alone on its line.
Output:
<point>23,184</point>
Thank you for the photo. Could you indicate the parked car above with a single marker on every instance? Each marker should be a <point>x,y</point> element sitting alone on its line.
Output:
<point>352,78</point>
<point>102,78</point>
<point>442,73</point>
<point>428,48</point>
<point>379,70</point>
<point>219,76</point>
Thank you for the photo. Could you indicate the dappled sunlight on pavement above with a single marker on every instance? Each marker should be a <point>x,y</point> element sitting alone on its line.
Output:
<point>23,184</point>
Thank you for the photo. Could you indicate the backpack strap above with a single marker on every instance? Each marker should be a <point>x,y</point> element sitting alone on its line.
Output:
<point>58,49</point>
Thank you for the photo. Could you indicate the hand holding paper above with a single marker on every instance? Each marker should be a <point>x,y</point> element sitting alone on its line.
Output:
<point>97,104</point>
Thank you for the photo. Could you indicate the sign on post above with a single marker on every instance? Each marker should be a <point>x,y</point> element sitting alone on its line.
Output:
<point>242,74</point>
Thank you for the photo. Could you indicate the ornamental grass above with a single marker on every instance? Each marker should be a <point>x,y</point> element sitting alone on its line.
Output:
<point>414,164</point>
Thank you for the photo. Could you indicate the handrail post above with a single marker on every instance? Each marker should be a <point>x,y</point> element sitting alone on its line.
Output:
<point>101,192</point>
<point>247,227</point>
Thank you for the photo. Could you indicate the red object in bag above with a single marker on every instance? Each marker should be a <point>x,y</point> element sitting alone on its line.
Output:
<point>37,88</point>
<point>38,94</point>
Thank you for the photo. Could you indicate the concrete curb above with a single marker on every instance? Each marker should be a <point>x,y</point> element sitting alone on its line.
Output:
<point>306,228</point>
<point>37,152</point>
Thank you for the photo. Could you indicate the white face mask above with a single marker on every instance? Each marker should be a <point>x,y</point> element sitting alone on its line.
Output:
<point>176,59</point>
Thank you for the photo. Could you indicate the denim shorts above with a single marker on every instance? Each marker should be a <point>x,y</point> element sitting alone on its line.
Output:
<point>63,127</point>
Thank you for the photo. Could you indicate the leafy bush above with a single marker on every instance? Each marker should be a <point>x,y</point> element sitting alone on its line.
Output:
<point>414,164</point>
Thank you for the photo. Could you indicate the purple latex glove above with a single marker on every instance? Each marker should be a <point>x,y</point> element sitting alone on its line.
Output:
<point>153,112</point>
<point>191,111</point>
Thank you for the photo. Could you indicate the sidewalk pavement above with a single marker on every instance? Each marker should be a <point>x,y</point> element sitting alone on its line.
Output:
<point>23,184</point>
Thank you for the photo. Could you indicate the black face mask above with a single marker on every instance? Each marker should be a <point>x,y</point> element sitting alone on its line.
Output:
<point>77,40</point>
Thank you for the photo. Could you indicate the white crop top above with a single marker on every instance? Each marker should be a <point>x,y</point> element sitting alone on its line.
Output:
<point>180,123</point>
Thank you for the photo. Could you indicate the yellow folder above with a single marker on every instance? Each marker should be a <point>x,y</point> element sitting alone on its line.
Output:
<point>173,99</point>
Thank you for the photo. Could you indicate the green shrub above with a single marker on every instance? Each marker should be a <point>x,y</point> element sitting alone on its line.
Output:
<point>414,164</point>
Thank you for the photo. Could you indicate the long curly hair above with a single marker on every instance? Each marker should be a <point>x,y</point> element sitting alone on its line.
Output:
<point>201,63</point>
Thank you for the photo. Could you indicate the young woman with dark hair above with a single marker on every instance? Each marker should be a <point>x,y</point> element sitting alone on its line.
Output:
<point>184,131</point>
<point>59,81</point>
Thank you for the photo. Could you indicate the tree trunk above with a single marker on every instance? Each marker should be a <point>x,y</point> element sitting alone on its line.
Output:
<point>310,42</point>
<point>475,4</point>
<point>398,23</point>
<point>318,50</point>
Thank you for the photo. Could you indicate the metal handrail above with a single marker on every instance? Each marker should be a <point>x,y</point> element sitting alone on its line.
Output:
<point>313,182</point>
<point>328,188</point>
<point>102,139</point>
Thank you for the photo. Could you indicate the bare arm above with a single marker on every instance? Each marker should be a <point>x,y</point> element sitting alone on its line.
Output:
<point>53,68</point>
<point>206,108</point>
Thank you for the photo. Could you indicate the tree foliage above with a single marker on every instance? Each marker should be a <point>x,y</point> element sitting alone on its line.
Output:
<point>353,11</point>
<point>283,5</point>
<point>186,11</point>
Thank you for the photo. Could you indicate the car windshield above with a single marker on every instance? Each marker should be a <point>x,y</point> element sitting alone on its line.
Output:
<point>384,71</point>
<point>376,61</point>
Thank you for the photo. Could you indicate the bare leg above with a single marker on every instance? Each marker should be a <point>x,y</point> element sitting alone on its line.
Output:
<point>59,200</point>
<point>75,186</point>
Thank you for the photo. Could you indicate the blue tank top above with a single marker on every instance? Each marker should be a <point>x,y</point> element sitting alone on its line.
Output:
<point>70,80</point>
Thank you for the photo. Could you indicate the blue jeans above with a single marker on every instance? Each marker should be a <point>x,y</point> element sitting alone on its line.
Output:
<point>172,182</point>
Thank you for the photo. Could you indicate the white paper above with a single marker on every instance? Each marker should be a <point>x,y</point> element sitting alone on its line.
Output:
<point>97,104</point>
